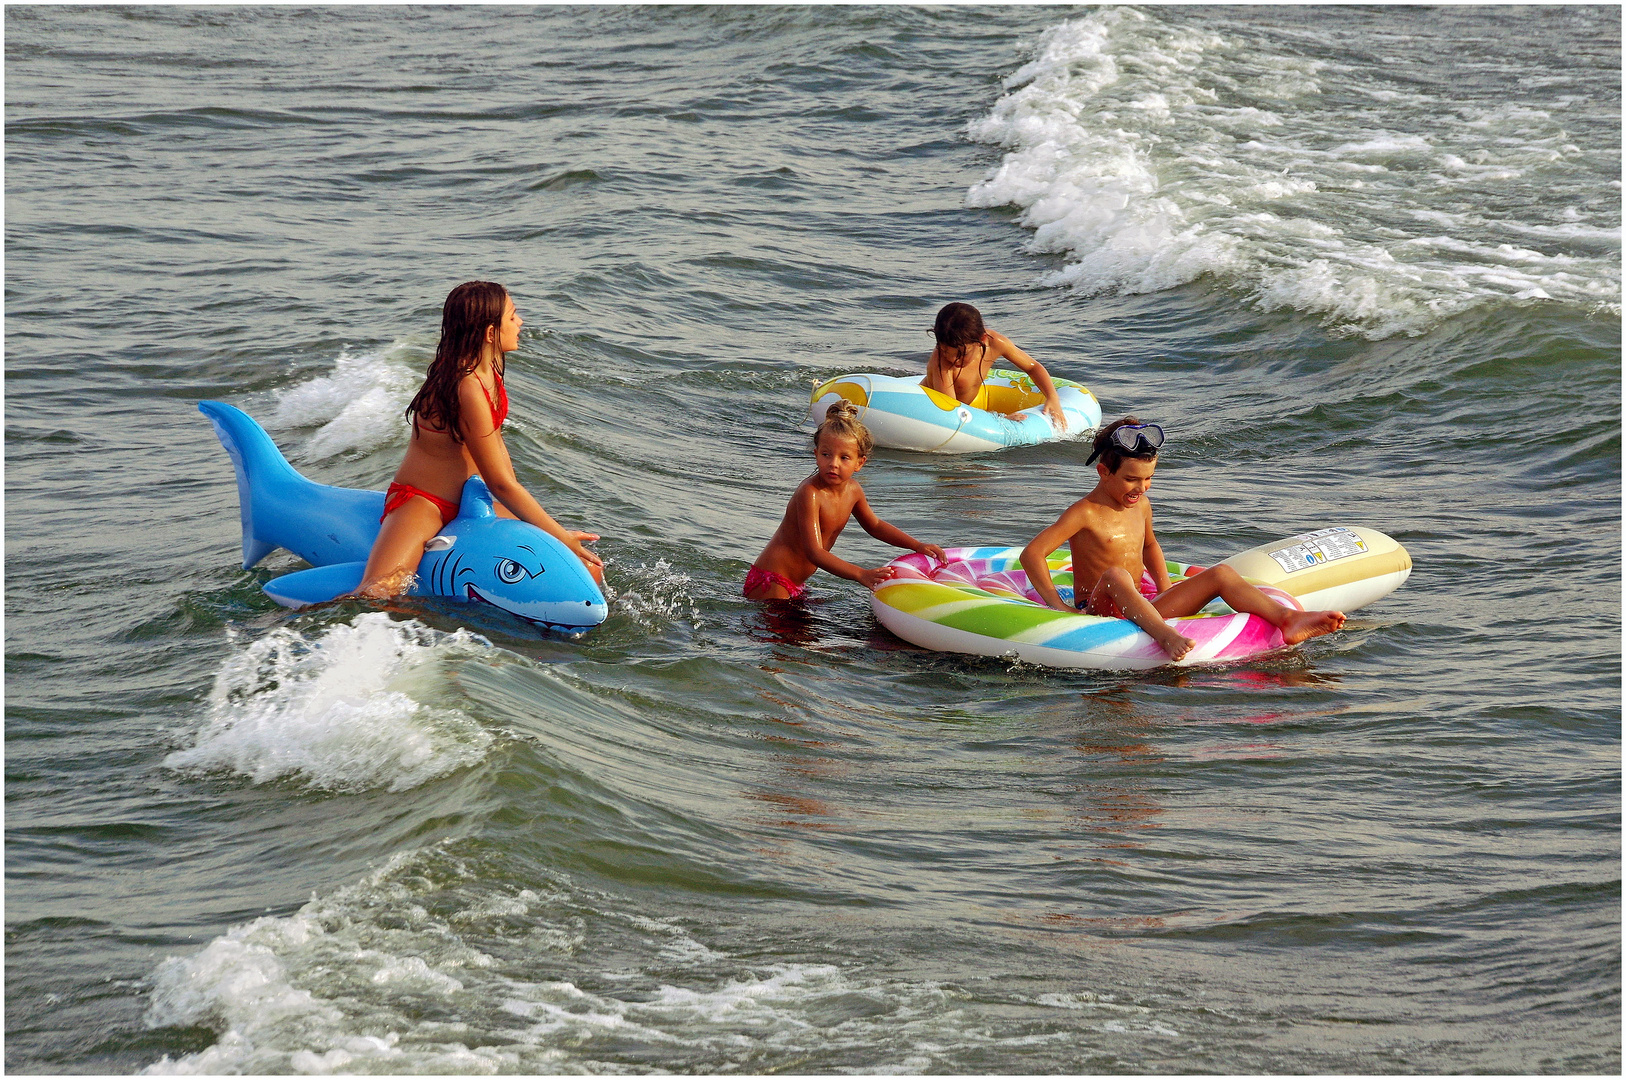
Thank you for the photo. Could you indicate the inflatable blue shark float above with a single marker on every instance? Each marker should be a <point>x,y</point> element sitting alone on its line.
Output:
<point>477,558</point>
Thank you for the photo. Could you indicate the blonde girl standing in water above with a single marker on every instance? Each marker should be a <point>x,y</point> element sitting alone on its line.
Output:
<point>457,419</point>
<point>819,510</point>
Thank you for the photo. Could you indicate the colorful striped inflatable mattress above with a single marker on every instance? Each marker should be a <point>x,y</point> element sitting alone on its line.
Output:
<point>980,602</point>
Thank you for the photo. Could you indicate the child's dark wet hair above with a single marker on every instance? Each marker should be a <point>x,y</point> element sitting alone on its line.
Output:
<point>841,420</point>
<point>1112,453</point>
<point>957,326</point>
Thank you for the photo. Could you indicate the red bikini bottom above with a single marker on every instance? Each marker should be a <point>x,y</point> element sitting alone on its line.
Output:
<point>400,493</point>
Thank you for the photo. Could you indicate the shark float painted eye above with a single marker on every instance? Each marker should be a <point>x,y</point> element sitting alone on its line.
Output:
<point>509,572</point>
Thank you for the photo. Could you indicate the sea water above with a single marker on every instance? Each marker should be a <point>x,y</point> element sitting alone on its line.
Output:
<point>1362,264</point>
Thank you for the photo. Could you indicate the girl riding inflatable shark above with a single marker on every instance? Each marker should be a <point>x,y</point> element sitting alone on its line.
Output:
<point>455,523</point>
<point>457,419</point>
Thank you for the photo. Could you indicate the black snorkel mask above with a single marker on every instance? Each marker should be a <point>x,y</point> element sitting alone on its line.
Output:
<point>1131,439</point>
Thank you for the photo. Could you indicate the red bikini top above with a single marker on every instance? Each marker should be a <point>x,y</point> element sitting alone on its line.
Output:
<point>499,408</point>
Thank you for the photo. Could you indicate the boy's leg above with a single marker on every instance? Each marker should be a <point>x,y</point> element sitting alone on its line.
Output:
<point>1189,596</point>
<point>1116,583</point>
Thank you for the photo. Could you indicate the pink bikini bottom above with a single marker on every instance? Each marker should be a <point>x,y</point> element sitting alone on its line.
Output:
<point>759,578</point>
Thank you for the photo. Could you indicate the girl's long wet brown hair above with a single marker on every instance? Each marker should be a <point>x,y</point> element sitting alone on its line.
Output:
<point>469,310</point>
<point>957,326</point>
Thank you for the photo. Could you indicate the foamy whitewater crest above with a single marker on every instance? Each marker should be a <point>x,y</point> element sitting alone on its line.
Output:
<point>338,987</point>
<point>350,984</point>
<point>1091,190</point>
<point>384,977</point>
<point>343,712</point>
<point>777,1008</point>
<point>359,407</point>
<point>1149,155</point>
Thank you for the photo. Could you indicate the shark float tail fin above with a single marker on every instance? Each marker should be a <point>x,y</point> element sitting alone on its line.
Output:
<point>281,508</point>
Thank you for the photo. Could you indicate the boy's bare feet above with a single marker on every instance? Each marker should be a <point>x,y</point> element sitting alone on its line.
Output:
<point>1173,641</point>
<point>1303,625</point>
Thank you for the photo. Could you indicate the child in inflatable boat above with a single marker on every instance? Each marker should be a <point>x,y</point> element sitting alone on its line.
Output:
<point>965,354</point>
<point>1118,564</point>
<point>819,510</point>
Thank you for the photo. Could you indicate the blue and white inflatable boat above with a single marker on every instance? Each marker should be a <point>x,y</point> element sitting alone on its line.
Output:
<point>1009,411</point>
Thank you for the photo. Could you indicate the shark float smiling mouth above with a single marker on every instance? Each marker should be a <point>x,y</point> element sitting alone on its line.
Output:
<point>474,595</point>
<point>477,557</point>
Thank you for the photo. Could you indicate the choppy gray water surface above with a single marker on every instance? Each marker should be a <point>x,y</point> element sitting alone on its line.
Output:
<point>1363,264</point>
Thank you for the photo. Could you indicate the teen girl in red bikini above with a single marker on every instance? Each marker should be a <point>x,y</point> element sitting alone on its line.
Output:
<point>457,420</point>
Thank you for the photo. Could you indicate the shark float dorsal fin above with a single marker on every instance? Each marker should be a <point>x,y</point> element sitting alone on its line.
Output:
<point>477,501</point>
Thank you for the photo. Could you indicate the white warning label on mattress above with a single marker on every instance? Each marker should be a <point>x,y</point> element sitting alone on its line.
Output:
<point>1322,546</point>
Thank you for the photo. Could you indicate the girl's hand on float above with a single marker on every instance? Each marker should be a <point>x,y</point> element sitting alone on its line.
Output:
<point>934,551</point>
<point>871,578</point>
<point>588,557</point>
<point>1058,419</point>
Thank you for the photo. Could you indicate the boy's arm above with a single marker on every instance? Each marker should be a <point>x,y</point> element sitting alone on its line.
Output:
<point>1040,377</point>
<point>887,533</point>
<point>1151,554</point>
<point>811,539</point>
<point>1039,549</point>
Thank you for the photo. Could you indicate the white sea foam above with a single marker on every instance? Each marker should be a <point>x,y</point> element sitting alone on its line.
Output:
<point>1148,155</point>
<point>342,984</point>
<point>338,987</point>
<point>359,406</point>
<point>1083,999</point>
<point>346,711</point>
<point>331,988</point>
<point>653,594</point>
